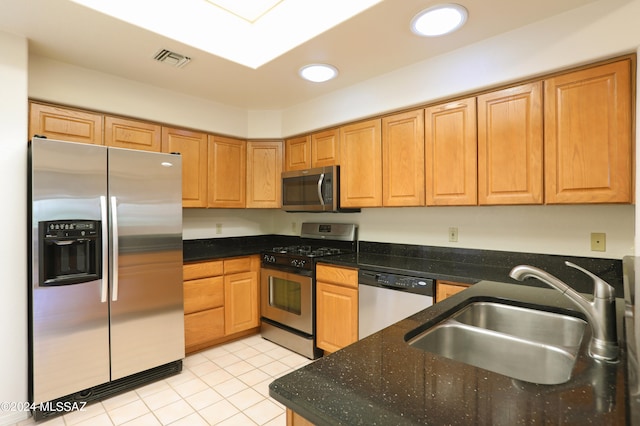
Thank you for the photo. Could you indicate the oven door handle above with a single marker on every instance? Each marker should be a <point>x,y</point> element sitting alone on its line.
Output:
<point>320,182</point>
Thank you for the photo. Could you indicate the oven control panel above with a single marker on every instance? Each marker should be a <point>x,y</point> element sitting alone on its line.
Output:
<point>295,262</point>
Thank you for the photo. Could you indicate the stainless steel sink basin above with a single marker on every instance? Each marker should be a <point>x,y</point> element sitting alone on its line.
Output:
<point>539,326</point>
<point>525,344</point>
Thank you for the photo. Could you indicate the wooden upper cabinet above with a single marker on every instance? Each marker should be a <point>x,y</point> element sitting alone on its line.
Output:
<point>297,153</point>
<point>192,147</point>
<point>361,164</point>
<point>264,174</point>
<point>132,134</point>
<point>65,124</point>
<point>587,134</point>
<point>325,148</point>
<point>317,150</point>
<point>403,159</point>
<point>226,172</point>
<point>450,153</point>
<point>510,145</point>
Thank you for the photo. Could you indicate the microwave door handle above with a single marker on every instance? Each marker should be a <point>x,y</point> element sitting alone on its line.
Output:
<point>114,248</point>
<point>104,291</point>
<point>320,182</point>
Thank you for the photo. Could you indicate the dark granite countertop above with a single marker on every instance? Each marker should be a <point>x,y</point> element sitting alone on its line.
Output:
<point>443,263</point>
<point>220,248</point>
<point>381,380</point>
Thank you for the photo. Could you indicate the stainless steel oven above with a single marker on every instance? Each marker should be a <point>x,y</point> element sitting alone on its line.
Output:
<point>288,309</point>
<point>287,296</point>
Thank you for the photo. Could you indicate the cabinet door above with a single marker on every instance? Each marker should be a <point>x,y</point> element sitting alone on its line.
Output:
<point>336,316</point>
<point>297,153</point>
<point>202,294</point>
<point>226,172</point>
<point>450,154</point>
<point>241,302</point>
<point>203,327</point>
<point>264,174</point>
<point>361,164</point>
<point>510,145</point>
<point>403,159</point>
<point>132,134</point>
<point>325,148</point>
<point>65,124</point>
<point>587,132</point>
<point>446,289</point>
<point>192,146</point>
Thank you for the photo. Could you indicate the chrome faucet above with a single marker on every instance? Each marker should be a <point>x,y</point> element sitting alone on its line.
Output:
<point>600,313</point>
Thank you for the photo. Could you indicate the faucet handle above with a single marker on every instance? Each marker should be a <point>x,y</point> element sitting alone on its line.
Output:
<point>601,288</point>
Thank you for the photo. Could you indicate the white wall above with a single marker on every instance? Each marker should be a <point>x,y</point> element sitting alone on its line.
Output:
<point>599,30</point>
<point>201,223</point>
<point>13,211</point>
<point>66,84</point>
<point>533,229</point>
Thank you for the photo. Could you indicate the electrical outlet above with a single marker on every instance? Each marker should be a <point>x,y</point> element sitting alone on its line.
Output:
<point>453,234</point>
<point>218,228</point>
<point>598,241</point>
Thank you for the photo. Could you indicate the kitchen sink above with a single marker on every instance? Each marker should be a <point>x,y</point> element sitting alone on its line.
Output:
<point>531,324</point>
<point>523,343</point>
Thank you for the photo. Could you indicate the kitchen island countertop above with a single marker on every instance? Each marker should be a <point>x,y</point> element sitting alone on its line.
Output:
<point>381,380</point>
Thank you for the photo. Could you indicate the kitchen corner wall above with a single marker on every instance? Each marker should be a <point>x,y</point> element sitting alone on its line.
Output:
<point>13,211</point>
<point>561,230</point>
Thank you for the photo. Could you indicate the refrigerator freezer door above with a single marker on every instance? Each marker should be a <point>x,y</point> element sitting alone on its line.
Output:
<point>69,323</point>
<point>147,316</point>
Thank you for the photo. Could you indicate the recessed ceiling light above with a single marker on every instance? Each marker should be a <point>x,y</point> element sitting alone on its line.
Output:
<point>318,73</point>
<point>439,20</point>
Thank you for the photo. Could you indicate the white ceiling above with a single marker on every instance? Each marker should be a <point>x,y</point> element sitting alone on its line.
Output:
<point>371,43</point>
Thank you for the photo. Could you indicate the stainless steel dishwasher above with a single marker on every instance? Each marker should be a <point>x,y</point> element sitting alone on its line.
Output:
<point>385,298</point>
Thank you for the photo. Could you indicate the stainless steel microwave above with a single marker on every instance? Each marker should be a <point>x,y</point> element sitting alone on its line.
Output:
<point>312,190</point>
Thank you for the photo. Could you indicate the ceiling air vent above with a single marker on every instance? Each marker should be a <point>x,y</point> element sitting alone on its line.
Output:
<point>172,58</point>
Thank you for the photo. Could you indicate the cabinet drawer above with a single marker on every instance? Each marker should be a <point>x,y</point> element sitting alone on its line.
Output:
<point>203,294</point>
<point>344,276</point>
<point>193,271</point>
<point>203,327</point>
<point>238,264</point>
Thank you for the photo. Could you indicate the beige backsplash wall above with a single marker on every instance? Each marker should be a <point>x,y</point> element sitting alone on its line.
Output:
<point>535,229</point>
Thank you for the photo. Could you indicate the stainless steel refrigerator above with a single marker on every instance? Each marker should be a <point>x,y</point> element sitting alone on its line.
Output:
<point>105,288</point>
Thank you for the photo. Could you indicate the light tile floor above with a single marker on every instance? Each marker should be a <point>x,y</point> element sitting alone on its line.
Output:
<point>225,385</point>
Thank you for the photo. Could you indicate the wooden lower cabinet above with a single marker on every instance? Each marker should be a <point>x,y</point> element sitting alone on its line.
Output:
<point>202,328</point>
<point>336,307</point>
<point>446,289</point>
<point>241,302</point>
<point>295,419</point>
<point>221,301</point>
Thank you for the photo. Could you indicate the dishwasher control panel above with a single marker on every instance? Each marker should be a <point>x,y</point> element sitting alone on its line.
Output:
<point>396,281</point>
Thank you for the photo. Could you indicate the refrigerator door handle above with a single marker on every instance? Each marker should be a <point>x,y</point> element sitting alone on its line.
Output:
<point>104,290</point>
<point>114,248</point>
